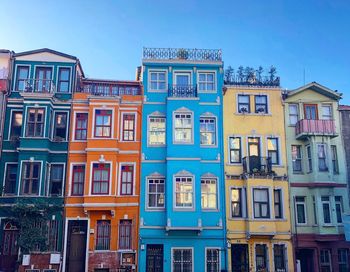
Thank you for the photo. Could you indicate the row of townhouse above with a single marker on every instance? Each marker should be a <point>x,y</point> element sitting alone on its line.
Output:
<point>175,171</point>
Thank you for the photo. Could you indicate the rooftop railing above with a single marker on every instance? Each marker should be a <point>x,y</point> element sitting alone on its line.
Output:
<point>108,89</point>
<point>182,54</point>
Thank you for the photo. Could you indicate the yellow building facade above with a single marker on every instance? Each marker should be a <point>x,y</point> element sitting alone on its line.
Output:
<point>257,197</point>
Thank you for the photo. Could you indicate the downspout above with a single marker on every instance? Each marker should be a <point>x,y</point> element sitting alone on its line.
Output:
<point>4,96</point>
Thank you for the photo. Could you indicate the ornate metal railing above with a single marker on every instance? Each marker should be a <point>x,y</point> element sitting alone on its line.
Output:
<point>315,127</point>
<point>108,89</point>
<point>182,54</point>
<point>182,91</point>
<point>36,86</point>
<point>254,82</point>
<point>257,165</point>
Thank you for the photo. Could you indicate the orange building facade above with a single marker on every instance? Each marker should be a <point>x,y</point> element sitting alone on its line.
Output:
<point>103,173</point>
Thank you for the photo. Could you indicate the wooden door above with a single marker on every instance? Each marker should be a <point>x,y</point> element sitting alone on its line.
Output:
<point>154,258</point>
<point>76,246</point>
<point>9,251</point>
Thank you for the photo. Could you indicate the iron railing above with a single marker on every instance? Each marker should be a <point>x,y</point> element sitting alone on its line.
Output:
<point>36,85</point>
<point>182,91</point>
<point>108,89</point>
<point>315,127</point>
<point>182,54</point>
<point>257,165</point>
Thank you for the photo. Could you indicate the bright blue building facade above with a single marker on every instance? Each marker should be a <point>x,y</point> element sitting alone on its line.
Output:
<point>182,201</point>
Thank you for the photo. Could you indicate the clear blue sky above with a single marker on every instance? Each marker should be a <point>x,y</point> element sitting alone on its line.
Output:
<point>108,36</point>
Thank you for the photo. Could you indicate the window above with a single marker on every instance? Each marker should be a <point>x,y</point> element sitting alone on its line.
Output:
<point>35,123</point>
<point>43,79</point>
<point>209,194</point>
<point>293,114</point>
<point>339,208</point>
<point>127,180</point>
<point>272,150</point>
<point>206,81</point>
<point>56,179</point>
<point>103,235</point>
<point>63,80</point>
<point>52,234</point>
<point>261,203</point>
<point>128,127</point>
<point>235,147</point>
<point>156,192</point>
<point>183,192</point>
<point>207,131</point>
<point>182,260</point>
<point>309,158</point>
<point>301,209</point>
<point>60,130</point>
<point>103,123</point>
<point>10,179</point>
<point>158,81</point>
<point>125,234</point>
<point>327,112</point>
<point>261,257</point>
<point>325,260</point>
<point>277,193</point>
<point>254,146</point>
<point>100,178</point>
<point>78,180</point>
<point>212,260</point>
<point>335,159</point>
<point>183,127</point>
<point>156,131</point>
<point>296,158</point>
<point>81,121</point>
<point>16,124</point>
<point>315,209</point>
<point>243,103</point>
<point>22,77</point>
<point>326,209</point>
<point>280,260</point>
<point>343,259</point>
<point>261,104</point>
<point>236,203</point>
<point>30,178</point>
<point>322,160</point>
<point>310,111</point>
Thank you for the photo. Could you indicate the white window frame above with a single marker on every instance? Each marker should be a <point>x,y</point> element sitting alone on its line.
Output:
<point>54,124</point>
<point>148,130</point>
<point>148,208</point>
<point>329,253</point>
<point>244,202</point>
<point>277,138</point>
<point>172,256</point>
<point>269,202</point>
<point>298,147</point>
<point>289,114</point>
<point>249,110</point>
<point>71,177</point>
<point>14,85</point>
<point>328,117</point>
<point>25,121</point>
<point>341,204</point>
<point>74,126</point>
<point>20,185</point>
<point>296,210</point>
<point>122,126</point>
<point>91,178</point>
<point>267,104</point>
<point>93,124</point>
<point>182,73</point>
<point>285,251</point>
<point>149,80</point>
<point>193,207</point>
<point>10,122</point>
<point>205,254</point>
<point>206,72</point>
<point>120,178</point>
<point>63,178</point>
<point>281,203</point>
<point>216,195</point>
<point>325,149</point>
<point>192,127</point>
<point>70,78</point>
<point>310,166</point>
<point>215,132</point>
<point>267,254</point>
<point>329,203</point>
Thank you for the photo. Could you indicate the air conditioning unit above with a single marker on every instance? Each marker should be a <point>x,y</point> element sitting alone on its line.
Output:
<point>127,258</point>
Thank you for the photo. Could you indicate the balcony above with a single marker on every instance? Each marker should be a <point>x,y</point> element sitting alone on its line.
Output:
<point>307,127</point>
<point>187,91</point>
<point>255,165</point>
<point>36,86</point>
<point>211,55</point>
<point>108,88</point>
<point>3,84</point>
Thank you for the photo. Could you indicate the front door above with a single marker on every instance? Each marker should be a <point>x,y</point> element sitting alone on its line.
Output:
<point>43,79</point>
<point>239,257</point>
<point>154,258</point>
<point>76,246</point>
<point>310,111</point>
<point>9,250</point>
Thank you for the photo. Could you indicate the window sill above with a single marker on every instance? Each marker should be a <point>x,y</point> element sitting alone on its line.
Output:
<point>234,164</point>
<point>329,225</point>
<point>208,92</point>
<point>157,91</point>
<point>298,173</point>
<point>208,146</point>
<point>183,209</point>
<point>155,210</point>
<point>160,145</point>
<point>253,114</point>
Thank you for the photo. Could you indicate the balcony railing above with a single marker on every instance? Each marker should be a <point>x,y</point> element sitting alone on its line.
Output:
<point>36,86</point>
<point>182,54</point>
<point>108,89</point>
<point>308,127</point>
<point>257,165</point>
<point>182,91</point>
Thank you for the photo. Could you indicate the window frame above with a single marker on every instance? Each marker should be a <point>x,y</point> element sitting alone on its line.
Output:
<point>266,255</point>
<point>268,203</point>
<point>6,174</point>
<point>76,129</point>
<point>21,186</point>
<point>182,248</point>
<point>158,71</point>
<point>59,80</point>
<point>327,264</point>
<point>242,202</point>
<point>297,159</point>
<point>203,118</point>
<point>126,239</point>
<point>292,114</point>
<point>258,144</point>
<point>266,104</point>
<point>309,158</point>
<point>92,181</point>
<point>16,83</point>
<point>206,82</point>
<point>184,208</point>
<point>81,169</point>
<point>303,203</point>
<point>324,116</point>
<point>149,117</point>
<point>62,181</point>
<point>325,158</point>
<point>328,203</point>
<point>133,130</point>
<point>105,238</point>
<point>343,262</point>
<point>335,162</point>
<point>268,151</point>
<point>338,202</point>
<point>55,114</point>
<point>111,126</point>
<point>230,149</point>
<point>210,179</point>
<point>160,178</point>
<point>279,204</point>
<point>285,256</point>
<point>133,176</point>
<point>218,260</point>
<point>13,112</point>
<point>239,104</point>
<point>35,122</point>
<point>177,142</point>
